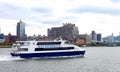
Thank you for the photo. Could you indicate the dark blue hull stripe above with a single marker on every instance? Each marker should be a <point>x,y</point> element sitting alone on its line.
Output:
<point>51,54</point>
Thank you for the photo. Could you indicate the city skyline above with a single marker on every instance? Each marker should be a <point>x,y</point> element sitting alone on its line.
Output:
<point>101,16</point>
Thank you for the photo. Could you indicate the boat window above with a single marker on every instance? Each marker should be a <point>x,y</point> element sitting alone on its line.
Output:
<point>48,43</point>
<point>66,42</point>
<point>24,43</point>
<point>48,46</point>
<point>23,49</point>
<point>38,49</point>
<point>47,49</point>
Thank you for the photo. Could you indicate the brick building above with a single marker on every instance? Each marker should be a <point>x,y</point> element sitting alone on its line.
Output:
<point>68,32</point>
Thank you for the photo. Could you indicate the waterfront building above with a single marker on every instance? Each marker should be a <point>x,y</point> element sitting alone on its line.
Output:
<point>99,37</point>
<point>109,39</point>
<point>94,36</point>
<point>117,38</point>
<point>39,37</point>
<point>21,31</point>
<point>11,38</point>
<point>2,37</point>
<point>87,38</point>
<point>80,41</point>
<point>68,32</point>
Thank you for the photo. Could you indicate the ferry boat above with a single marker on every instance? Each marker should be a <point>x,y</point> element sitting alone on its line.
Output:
<point>55,48</point>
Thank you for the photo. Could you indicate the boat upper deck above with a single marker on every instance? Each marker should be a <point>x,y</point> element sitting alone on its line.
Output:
<point>40,43</point>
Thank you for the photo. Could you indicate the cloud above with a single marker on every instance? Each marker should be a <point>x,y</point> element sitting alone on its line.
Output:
<point>52,21</point>
<point>9,11</point>
<point>42,10</point>
<point>9,6</point>
<point>115,1</point>
<point>98,10</point>
<point>58,20</point>
<point>41,14</point>
<point>87,14</point>
<point>68,17</point>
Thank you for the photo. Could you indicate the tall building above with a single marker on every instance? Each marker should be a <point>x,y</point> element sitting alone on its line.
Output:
<point>99,37</point>
<point>21,31</point>
<point>94,36</point>
<point>68,32</point>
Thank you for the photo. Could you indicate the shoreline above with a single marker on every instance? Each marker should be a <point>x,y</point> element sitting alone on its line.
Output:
<point>5,46</point>
<point>79,46</point>
<point>97,46</point>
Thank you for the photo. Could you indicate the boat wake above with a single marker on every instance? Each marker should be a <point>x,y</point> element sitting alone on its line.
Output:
<point>9,58</point>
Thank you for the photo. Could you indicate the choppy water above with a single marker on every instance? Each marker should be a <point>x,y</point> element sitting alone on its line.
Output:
<point>97,59</point>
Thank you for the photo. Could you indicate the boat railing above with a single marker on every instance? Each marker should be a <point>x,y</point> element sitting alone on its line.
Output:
<point>58,39</point>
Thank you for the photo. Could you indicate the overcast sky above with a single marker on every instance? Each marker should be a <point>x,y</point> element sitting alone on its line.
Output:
<point>103,16</point>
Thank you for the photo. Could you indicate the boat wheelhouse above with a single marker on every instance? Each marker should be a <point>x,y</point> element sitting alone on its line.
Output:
<point>57,48</point>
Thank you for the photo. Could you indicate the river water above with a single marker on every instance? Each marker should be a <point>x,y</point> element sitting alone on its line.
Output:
<point>97,59</point>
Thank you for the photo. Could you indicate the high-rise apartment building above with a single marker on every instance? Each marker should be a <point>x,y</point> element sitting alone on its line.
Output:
<point>21,31</point>
<point>99,37</point>
<point>94,36</point>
